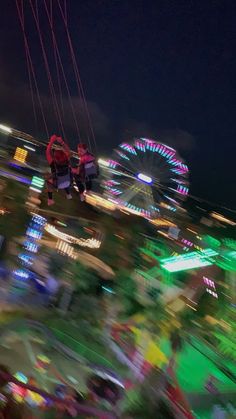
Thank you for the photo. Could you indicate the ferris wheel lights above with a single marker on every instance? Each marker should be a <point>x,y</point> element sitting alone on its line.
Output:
<point>144,178</point>
<point>138,192</point>
<point>128,148</point>
<point>123,155</point>
<point>5,129</point>
<point>182,190</point>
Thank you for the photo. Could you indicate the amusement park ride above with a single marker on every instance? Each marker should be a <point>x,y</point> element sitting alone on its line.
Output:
<point>147,178</point>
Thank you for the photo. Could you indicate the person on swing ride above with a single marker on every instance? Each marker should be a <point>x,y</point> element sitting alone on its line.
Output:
<point>86,171</point>
<point>59,162</point>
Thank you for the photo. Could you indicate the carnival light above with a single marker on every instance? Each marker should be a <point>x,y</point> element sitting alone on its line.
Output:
<point>131,161</point>
<point>20,155</point>
<point>5,129</point>
<point>103,162</point>
<point>91,243</point>
<point>99,201</point>
<point>188,261</point>
<point>29,148</point>
<point>162,222</point>
<point>66,249</point>
<point>37,184</point>
<point>223,219</point>
<point>31,247</point>
<point>144,178</point>
<point>21,274</point>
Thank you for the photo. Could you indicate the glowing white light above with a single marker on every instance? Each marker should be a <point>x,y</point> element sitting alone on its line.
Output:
<point>144,178</point>
<point>29,148</point>
<point>6,129</point>
<point>91,243</point>
<point>103,162</point>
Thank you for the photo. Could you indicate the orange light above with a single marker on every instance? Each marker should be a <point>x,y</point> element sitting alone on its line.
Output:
<point>20,155</point>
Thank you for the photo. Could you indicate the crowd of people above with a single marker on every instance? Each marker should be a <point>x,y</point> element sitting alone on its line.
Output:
<point>63,174</point>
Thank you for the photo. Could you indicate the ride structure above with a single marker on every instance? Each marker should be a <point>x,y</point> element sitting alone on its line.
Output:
<point>146,177</point>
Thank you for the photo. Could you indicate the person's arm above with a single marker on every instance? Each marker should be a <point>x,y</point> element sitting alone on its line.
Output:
<point>49,149</point>
<point>64,145</point>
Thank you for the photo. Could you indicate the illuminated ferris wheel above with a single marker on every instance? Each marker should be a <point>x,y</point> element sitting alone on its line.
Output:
<point>146,177</point>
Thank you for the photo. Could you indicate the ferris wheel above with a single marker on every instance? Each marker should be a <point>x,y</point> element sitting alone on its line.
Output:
<point>146,177</point>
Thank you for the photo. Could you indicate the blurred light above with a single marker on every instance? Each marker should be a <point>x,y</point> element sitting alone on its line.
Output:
<point>66,249</point>
<point>192,231</point>
<point>61,224</point>
<point>34,233</point>
<point>37,184</point>
<point>162,233</point>
<point>23,139</point>
<point>91,243</point>
<point>6,129</point>
<point>100,202</point>
<point>103,162</point>
<point>39,219</point>
<point>31,247</point>
<point>221,218</point>
<point>109,290</point>
<point>26,259</point>
<point>144,178</point>
<point>162,222</point>
<point>29,148</point>
<point>21,377</point>
<point>22,274</point>
<point>20,155</point>
<point>212,293</point>
<point>189,261</point>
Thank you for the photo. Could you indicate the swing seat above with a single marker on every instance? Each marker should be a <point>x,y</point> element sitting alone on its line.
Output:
<point>63,181</point>
<point>91,170</point>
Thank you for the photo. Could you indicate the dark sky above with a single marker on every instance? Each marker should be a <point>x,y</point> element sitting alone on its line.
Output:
<point>161,68</point>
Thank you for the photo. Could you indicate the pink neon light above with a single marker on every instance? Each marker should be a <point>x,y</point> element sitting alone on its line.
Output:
<point>209,282</point>
<point>182,190</point>
<point>113,164</point>
<point>187,242</point>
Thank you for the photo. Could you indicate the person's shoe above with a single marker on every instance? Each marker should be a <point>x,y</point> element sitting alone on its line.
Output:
<point>51,202</point>
<point>82,197</point>
<point>68,196</point>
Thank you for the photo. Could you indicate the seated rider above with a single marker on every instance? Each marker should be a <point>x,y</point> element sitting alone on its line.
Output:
<point>59,161</point>
<point>86,171</point>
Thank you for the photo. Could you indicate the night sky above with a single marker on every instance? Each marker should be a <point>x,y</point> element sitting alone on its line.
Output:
<point>164,69</point>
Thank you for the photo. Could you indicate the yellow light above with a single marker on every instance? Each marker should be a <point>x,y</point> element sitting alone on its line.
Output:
<point>192,231</point>
<point>162,222</point>
<point>220,217</point>
<point>99,201</point>
<point>20,155</point>
<point>162,233</point>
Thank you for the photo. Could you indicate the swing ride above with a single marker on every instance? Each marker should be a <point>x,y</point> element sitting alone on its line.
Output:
<point>144,177</point>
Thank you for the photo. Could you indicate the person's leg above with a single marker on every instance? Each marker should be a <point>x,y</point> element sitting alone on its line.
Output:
<point>80,186</point>
<point>88,185</point>
<point>68,194</point>
<point>50,190</point>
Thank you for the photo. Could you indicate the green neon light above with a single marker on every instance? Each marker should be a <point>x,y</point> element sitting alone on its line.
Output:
<point>37,182</point>
<point>211,241</point>
<point>190,260</point>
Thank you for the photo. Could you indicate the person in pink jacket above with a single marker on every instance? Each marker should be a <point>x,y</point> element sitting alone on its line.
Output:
<point>86,171</point>
<point>59,162</point>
